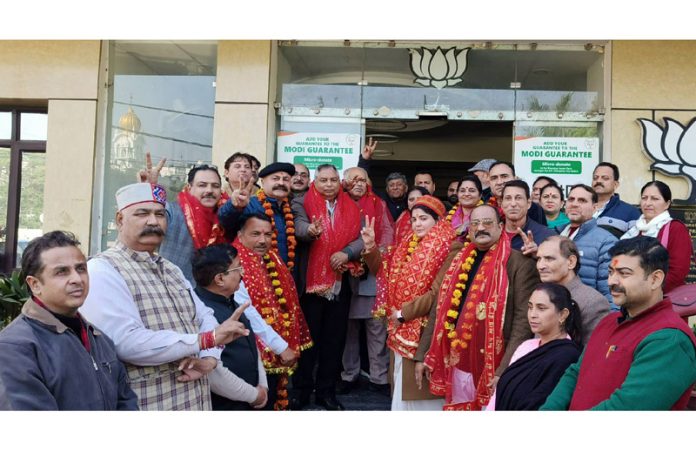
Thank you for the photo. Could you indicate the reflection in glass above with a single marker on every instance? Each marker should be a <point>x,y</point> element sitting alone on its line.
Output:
<point>31,200</point>
<point>162,101</point>
<point>5,125</point>
<point>33,126</point>
<point>4,193</point>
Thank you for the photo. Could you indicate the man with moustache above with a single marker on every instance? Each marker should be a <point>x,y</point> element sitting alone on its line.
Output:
<point>612,213</point>
<point>299,183</point>
<point>426,180</point>
<point>272,200</point>
<point>500,173</point>
<point>50,357</point>
<point>330,221</point>
<point>593,242</point>
<point>452,198</point>
<point>558,261</point>
<point>395,195</point>
<point>642,357</point>
<point>192,221</point>
<point>163,333</point>
<point>480,316</point>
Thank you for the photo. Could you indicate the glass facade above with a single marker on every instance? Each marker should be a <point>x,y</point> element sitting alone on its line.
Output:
<point>161,99</point>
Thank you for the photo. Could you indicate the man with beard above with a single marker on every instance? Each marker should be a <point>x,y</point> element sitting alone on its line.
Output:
<point>612,213</point>
<point>299,183</point>
<point>330,220</point>
<point>192,221</point>
<point>452,198</point>
<point>363,288</point>
<point>500,173</point>
<point>164,334</point>
<point>642,357</point>
<point>271,200</point>
<point>269,286</point>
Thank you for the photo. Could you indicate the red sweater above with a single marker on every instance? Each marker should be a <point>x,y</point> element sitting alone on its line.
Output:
<point>680,251</point>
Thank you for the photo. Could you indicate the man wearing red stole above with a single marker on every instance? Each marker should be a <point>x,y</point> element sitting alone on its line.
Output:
<point>329,219</point>
<point>270,287</point>
<point>481,314</point>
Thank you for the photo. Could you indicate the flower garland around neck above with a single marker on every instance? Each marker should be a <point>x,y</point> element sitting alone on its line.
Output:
<point>453,211</point>
<point>289,226</point>
<point>450,323</point>
<point>412,246</point>
<point>281,403</point>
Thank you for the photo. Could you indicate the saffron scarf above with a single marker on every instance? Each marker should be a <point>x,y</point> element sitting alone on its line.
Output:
<point>203,223</point>
<point>372,206</point>
<point>482,316</point>
<point>336,235</point>
<point>405,276</point>
<point>275,298</point>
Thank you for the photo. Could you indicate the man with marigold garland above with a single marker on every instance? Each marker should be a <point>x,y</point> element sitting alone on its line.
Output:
<point>480,316</point>
<point>271,289</point>
<point>271,200</point>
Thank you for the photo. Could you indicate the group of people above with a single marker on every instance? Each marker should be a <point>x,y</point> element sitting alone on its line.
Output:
<point>251,293</point>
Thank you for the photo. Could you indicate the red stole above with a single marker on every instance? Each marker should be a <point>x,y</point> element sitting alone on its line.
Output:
<point>400,281</point>
<point>403,226</point>
<point>482,313</point>
<point>203,223</point>
<point>372,206</point>
<point>609,353</point>
<point>286,318</point>
<point>336,235</point>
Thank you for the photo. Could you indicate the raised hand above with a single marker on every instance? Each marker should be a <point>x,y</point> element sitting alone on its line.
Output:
<point>368,233</point>
<point>529,247</point>
<point>232,328</point>
<point>369,149</point>
<point>151,174</point>
<point>315,228</point>
<point>241,193</point>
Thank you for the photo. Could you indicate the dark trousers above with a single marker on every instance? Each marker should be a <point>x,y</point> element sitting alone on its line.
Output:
<point>327,321</point>
<point>272,391</point>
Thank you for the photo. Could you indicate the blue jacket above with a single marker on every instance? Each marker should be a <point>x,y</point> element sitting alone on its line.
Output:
<point>593,244</point>
<point>44,366</point>
<point>229,219</point>
<point>618,214</point>
<point>177,245</point>
<point>539,232</point>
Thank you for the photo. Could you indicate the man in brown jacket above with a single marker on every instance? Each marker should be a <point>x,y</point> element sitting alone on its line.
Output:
<point>485,231</point>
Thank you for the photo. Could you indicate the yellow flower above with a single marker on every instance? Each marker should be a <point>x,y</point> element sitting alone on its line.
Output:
<point>274,274</point>
<point>455,302</point>
<point>457,293</point>
<point>464,277</point>
<point>449,326</point>
<point>467,267</point>
<point>270,265</point>
<point>286,324</point>
<point>282,300</point>
<point>470,260</point>
<point>279,291</point>
<point>286,316</point>
<point>275,283</point>
<point>269,320</point>
<point>453,314</point>
<point>455,342</point>
<point>413,244</point>
<point>452,334</point>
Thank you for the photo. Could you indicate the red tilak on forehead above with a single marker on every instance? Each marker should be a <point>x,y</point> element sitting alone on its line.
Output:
<point>614,262</point>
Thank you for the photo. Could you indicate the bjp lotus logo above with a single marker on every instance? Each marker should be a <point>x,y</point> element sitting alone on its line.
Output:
<point>437,68</point>
<point>672,148</point>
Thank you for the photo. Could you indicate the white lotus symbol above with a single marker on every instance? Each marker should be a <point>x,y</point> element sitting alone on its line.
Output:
<point>438,69</point>
<point>673,148</point>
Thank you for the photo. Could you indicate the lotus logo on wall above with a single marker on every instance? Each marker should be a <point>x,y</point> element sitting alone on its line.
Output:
<point>438,68</point>
<point>672,148</point>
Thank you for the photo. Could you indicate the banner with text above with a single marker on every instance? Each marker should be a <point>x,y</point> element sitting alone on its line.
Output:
<point>567,160</point>
<point>314,149</point>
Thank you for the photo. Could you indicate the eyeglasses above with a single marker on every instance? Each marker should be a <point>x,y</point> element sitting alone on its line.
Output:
<point>228,271</point>
<point>302,175</point>
<point>487,223</point>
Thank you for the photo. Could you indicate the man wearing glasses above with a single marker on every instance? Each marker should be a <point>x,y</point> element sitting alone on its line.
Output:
<point>299,183</point>
<point>480,316</point>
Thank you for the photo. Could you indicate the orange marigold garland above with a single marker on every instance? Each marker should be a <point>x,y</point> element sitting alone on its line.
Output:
<point>451,213</point>
<point>289,226</point>
<point>450,323</point>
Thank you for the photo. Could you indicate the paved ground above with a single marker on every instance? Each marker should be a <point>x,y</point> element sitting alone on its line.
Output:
<point>360,398</point>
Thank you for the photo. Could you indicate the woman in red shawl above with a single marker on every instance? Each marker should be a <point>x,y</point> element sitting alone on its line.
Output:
<point>402,227</point>
<point>405,273</point>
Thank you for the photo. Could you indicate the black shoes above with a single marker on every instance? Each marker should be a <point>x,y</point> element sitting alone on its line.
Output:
<point>383,389</point>
<point>344,387</point>
<point>330,403</point>
<point>298,402</point>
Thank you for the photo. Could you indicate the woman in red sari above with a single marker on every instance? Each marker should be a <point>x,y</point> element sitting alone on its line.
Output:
<point>407,271</point>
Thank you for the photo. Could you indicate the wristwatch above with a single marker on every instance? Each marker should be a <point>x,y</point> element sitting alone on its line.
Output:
<point>399,317</point>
